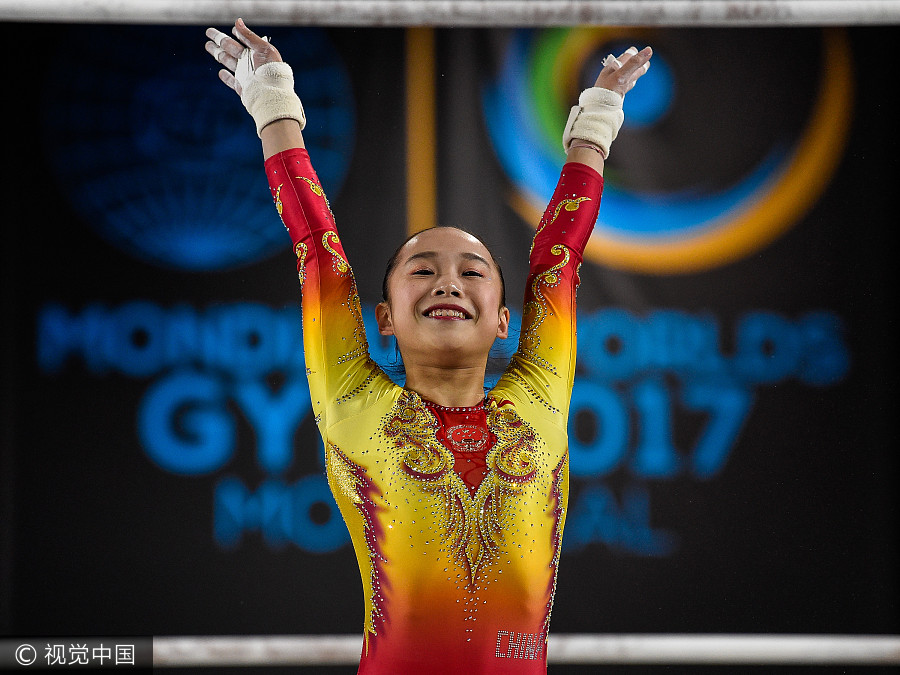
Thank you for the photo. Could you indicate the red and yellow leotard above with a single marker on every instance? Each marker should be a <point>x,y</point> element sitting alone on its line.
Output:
<point>456,514</point>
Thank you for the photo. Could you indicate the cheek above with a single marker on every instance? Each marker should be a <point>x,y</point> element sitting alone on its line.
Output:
<point>497,292</point>
<point>402,299</point>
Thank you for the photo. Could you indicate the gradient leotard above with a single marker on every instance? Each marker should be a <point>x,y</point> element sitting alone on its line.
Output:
<point>456,515</point>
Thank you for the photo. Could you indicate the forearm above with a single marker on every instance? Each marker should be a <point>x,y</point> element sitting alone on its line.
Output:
<point>584,155</point>
<point>299,197</point>
<point>571,213</point>
<point>281,135</point>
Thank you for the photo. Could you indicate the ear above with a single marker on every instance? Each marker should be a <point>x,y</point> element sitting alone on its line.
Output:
<point>503,323</point>
<point>383,318</point>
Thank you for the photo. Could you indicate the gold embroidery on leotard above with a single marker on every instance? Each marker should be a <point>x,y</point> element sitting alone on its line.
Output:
<point>315,187</point>
<point>558,498</point>
<point>514,372</point>
<point>342,475</point>
<point>472,525</point>
<point>278,205</point>
<point>568,205</point>
<point>531,339</point>
<point>341,267</point>
<point>300,252</point>
<point>318,191</point>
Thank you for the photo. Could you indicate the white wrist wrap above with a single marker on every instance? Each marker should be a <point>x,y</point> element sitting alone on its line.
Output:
<point>268,92</point>
<point>597,119</point>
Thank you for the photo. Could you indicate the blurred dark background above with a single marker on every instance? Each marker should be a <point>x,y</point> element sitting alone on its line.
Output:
<point>734,427</point>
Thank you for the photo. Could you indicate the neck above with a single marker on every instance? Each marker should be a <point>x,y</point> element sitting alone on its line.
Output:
<point>449,387</point>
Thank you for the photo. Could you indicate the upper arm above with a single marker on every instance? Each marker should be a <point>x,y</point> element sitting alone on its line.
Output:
<point>543,366</point>
<point>338,366</point>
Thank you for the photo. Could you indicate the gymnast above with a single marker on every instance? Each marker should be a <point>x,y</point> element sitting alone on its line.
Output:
<point>455,498</point>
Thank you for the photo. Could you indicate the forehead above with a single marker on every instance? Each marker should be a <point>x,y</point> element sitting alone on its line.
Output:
<point>444,241</point>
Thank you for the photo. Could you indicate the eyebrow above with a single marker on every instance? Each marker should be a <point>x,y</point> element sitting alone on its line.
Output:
<point>430,255</point>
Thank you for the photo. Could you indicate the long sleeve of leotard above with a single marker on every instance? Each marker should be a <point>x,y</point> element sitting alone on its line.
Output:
<point>543,367</point>
<point>334,341</point>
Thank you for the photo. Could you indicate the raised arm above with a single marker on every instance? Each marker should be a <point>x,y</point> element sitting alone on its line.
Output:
<point>334,341</point>
<point>543,368</point>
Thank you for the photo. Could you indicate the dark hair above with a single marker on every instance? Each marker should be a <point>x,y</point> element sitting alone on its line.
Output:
<point>392,262</point>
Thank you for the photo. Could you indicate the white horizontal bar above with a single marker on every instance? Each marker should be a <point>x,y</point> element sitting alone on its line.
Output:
<point>307,650</point>
<point>460,12</point>
<point>262,650</point>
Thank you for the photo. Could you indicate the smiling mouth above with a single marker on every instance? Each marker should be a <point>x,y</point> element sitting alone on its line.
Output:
<point>451,313</point>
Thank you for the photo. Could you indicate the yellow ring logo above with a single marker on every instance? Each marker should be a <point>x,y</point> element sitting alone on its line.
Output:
<point>785,191</point>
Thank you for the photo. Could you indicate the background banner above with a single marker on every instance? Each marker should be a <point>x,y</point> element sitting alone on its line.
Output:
<point>733,429</point>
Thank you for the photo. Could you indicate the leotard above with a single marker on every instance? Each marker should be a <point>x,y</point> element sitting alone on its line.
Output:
<point>456,515</point>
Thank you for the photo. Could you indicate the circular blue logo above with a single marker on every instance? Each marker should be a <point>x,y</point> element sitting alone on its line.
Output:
<point>712,164</point>
<point>161,159</point>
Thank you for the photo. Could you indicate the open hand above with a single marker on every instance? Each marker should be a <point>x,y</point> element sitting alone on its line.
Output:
<point>227,50</point>
<point>620,74</point>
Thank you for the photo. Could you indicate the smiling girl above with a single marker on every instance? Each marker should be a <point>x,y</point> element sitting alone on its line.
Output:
<point>455,500</point>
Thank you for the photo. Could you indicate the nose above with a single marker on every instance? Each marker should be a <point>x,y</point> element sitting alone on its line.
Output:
<point>447,287</point>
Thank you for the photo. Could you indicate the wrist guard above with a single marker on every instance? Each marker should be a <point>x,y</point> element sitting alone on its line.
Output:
<point>268,92</point>
<point>597,119</point>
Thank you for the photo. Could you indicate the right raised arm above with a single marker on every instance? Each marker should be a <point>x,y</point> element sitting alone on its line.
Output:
<point>341,375</point>
<point>267,92</point>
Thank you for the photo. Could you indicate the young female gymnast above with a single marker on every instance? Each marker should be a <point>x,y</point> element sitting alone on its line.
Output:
<point>455,500</point>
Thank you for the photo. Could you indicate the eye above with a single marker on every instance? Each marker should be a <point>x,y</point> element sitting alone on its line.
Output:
<point>472,273</point>
<point>423,271</point>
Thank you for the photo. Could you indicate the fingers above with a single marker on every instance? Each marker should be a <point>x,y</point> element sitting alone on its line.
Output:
<point>634,64</point>
<point>613,64</point>
<point>228,78</point>
<point>216,36</point>
<point>247,37</point>
<point>222,56</point>
<point>223,49</point>
<point>261,48</point>
<point>227,50</point>
<point>221,41</point>
<point>259,45</point>
<point>620,74</point>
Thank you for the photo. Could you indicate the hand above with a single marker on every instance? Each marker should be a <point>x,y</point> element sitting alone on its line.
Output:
<point>227,51</point>
<point>620,74</point>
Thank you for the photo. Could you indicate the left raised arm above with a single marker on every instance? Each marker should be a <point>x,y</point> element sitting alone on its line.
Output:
<point>543,367</point>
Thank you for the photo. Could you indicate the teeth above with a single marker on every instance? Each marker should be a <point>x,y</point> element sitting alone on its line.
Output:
<point>447,312</point>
